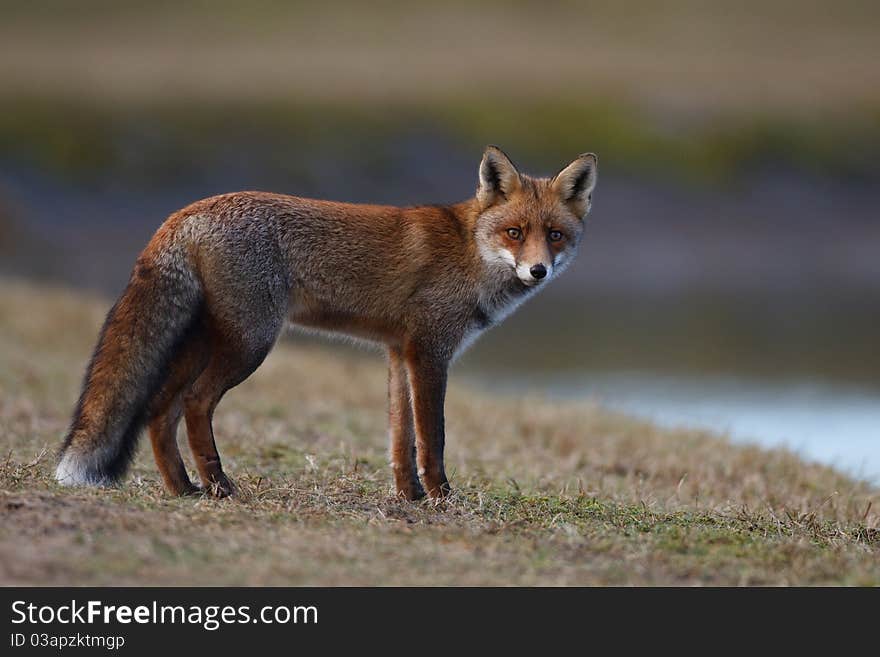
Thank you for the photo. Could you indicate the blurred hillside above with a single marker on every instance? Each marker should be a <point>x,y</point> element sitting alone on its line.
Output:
<point>683,56</point>
<point>735,222</point>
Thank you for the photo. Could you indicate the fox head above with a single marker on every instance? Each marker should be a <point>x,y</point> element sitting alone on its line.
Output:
<point>528,229</point>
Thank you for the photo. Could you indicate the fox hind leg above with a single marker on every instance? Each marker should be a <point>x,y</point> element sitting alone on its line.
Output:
<point>229,365</point>
<point>199,405</point>
<point>163,437</point>
<point>166,410</point>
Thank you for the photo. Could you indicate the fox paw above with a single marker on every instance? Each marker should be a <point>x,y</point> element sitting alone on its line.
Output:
<point>411,492</point>
<point>440,491</point>
<point>219,488</point>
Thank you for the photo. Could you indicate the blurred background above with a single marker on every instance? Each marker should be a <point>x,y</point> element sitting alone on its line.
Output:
<point>730,273</point>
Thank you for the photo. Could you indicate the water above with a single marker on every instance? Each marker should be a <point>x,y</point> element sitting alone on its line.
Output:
<point>832,424</point>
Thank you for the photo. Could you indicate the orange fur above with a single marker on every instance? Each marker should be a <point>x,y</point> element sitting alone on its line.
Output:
<point>214,287</point>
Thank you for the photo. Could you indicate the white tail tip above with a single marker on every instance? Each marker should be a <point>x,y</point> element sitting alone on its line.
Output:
<point>71,471</point>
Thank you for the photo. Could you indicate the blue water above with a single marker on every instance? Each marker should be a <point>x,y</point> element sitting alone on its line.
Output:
<point>831,424</point>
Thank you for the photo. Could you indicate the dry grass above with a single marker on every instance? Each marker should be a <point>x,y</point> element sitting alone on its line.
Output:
<point>545,493</point>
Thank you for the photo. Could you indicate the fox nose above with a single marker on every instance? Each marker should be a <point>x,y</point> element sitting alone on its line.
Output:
<point>539,271</point>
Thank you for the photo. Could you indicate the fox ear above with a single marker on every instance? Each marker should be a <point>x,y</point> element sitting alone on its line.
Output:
<point>498,178</point>
<point>575,183</point>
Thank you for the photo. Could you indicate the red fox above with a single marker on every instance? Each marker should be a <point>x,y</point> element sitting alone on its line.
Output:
<point>211,292</point>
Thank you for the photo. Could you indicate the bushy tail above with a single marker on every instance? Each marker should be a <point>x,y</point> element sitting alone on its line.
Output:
<point>140,336</point>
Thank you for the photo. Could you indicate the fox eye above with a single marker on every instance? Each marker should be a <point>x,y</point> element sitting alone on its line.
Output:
<point>514,233</point>
<point>555,235</point>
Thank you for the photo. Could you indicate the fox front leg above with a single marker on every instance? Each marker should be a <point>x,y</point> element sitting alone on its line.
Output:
<point>427,378</point>
<point>401,429</point>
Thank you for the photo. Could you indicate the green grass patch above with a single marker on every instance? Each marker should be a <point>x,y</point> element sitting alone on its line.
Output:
<point>159,143</point>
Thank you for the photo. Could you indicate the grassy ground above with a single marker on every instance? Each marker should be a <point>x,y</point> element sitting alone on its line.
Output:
<point>545,493</point>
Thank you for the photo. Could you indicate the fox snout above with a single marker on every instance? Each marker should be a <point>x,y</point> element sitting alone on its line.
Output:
<point>533,273</point>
